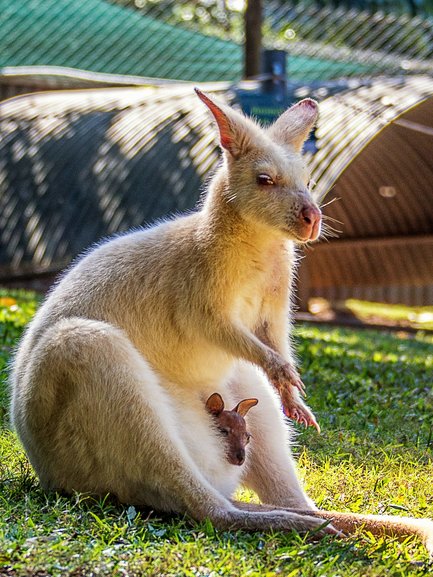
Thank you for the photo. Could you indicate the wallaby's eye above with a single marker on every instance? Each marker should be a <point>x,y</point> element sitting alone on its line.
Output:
<point>264,180</point>
<point>248,435</point>
<point>223,431</point>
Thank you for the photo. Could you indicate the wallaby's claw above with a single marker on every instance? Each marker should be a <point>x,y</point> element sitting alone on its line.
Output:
<point>299,385</point>
<point>300,413</point>
<point>316,425</point>
<point>330,530</point>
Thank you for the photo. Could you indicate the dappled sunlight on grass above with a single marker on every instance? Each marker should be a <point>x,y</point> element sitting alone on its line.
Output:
<point>419,317</point>
<point>368,388</point>
<point>374,313</point>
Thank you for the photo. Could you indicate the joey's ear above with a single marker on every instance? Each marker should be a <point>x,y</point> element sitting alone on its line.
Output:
<point>293,126</point>
<point>215,404</point>
<point>235,131</point>
<point>244,406</point>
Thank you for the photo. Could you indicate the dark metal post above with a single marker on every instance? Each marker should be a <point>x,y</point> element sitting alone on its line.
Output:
<point>253,19</point>
<point>274,69</point>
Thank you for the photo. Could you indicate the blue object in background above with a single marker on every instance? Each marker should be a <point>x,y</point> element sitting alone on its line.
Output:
<point>267,97</point>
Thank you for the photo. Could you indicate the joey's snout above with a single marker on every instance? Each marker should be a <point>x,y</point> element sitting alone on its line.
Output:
<point>237,457</point>
<point>309,222</point>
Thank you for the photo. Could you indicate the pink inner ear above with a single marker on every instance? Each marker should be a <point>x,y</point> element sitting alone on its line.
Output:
<point>222,121</point>
<point>309,111</point>
<point>225,136</point>
<point>293,126</point>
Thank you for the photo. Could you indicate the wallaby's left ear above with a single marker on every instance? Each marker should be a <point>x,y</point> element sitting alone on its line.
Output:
<point>293,126</point>
<point>215,404</point>
<point>237,133</point>
<point>244,406</point>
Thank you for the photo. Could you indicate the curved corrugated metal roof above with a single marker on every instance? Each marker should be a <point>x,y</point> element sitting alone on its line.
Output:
<point>376,159</point>
<point>76,166</point>
<point>351,119</point>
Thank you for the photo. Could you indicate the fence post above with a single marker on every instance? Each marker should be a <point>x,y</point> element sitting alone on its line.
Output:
<point>253,19</point>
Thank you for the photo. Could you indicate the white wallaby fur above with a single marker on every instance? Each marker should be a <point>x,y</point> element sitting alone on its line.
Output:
<point>110,379</point>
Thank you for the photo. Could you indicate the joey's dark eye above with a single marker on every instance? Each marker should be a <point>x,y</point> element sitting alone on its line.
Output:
<point>223,431</point>
<point>264,180</point>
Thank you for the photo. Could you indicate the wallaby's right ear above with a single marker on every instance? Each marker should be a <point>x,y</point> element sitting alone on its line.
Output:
<point>293,126</point>
<point>215,404</point>
<point>234,129</point>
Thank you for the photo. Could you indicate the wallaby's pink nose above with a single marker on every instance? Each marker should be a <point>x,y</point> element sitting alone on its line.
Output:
<point>310,217</point>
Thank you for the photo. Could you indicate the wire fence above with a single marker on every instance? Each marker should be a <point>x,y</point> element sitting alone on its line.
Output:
<point>203,40</point>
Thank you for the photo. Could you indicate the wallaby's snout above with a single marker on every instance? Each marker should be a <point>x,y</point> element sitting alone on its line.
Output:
<point>310,219</point>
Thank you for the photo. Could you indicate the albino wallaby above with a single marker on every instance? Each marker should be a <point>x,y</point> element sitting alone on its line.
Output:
<point>146,325</point>
<point>232,425</point>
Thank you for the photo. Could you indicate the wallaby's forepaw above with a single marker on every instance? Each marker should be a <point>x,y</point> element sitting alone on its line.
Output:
<point>282,373</point>
<point>284,377</point>
<point>298,411</point>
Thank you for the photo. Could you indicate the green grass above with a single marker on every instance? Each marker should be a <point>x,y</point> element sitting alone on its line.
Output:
<point>372,393</point>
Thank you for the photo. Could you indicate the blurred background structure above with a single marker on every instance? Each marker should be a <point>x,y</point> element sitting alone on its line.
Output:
<point>108,134</point>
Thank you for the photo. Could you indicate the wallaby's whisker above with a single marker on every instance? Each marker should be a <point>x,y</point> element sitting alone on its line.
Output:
<point>330,202</point>
<point>331,218</point>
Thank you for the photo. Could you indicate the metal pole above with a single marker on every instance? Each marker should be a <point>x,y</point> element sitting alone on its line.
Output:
<point>253,19</point>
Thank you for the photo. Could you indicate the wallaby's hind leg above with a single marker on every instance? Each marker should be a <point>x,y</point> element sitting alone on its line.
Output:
<point>271,470</point>
<point>93,417</point>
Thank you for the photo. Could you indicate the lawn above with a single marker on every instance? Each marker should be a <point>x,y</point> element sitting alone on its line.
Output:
<point>373,396</point>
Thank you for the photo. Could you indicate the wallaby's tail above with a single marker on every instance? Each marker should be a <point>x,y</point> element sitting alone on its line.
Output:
<point>401,527</point>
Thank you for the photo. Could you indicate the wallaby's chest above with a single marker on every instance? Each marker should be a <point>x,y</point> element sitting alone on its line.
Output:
<point>264,287</point>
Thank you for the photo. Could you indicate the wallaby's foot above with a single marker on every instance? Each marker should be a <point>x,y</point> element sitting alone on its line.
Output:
<point>275,520</point>
<point>282,373</point>
<point>325,520</point>
<point>297,410</point>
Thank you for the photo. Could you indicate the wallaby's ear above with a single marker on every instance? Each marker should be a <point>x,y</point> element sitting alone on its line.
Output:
<point>234,129</point>
<point>244,406</point>
<point>293,126</point>
<point>215,404</point>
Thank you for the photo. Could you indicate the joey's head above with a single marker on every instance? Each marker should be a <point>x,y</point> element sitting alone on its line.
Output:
<point>267,182</point>
<point>232,426</point>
